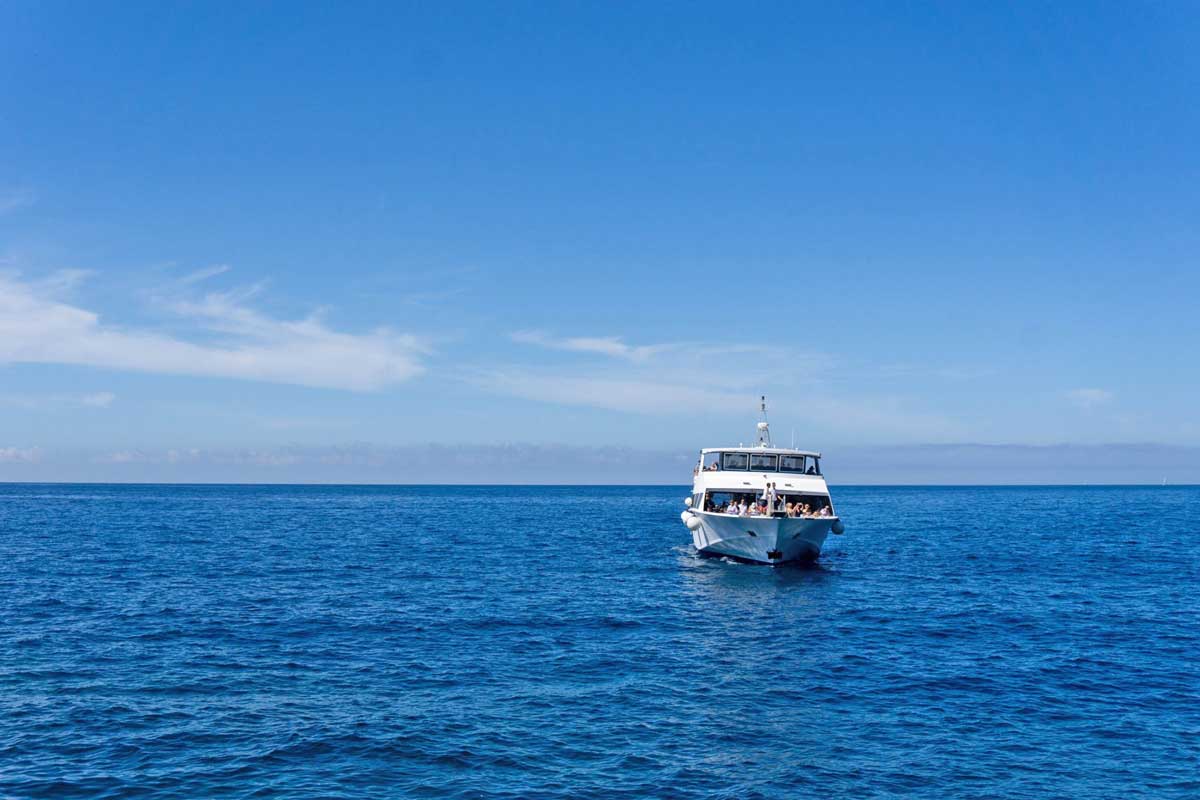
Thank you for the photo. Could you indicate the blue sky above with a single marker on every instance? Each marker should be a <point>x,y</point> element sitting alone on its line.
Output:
<point>281,228</point>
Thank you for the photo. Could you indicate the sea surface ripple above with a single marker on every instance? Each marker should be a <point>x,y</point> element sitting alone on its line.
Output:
<point>351,642</point>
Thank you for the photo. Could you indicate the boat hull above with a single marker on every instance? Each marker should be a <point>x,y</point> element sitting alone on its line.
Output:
<point>764,540</point>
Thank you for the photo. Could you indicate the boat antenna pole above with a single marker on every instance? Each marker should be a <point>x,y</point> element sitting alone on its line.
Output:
<point>764,429</point>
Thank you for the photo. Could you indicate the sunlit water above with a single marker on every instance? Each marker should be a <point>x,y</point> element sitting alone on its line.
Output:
<point>567,642</point>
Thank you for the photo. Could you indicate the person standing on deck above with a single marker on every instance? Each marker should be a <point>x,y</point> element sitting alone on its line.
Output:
<point>770,496</point>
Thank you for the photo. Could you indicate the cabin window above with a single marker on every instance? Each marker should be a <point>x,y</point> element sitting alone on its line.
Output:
<point>763,463</point>
<point>718,501</point>
<point>735,461</point>
<point>710,461</point>
<point>792,463</point>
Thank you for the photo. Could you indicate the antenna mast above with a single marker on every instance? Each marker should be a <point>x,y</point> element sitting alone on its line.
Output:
<point>764,429</point>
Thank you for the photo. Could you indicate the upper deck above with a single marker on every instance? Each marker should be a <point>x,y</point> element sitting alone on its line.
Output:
<point>759,459</point>
<point>754,467</point>
<point>759,464</point>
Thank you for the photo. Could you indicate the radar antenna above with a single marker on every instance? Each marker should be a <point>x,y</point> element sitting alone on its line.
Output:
<point>764,429</point>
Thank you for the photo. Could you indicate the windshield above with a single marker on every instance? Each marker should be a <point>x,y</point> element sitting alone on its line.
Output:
<point>792,463</point>
<point>805,465</point>
<point>762,462</point>
<point>734,461</point>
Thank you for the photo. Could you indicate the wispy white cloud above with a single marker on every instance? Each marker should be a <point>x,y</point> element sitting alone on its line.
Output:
<point>14,199</point>
<point>1088,399</point>
<point>885,417</point>
<point>123,457</point>
<point>712,378</point>
<point>689,390</point>
<point>646,379</point>
<point>38,326</point>
<point>204,274</point>
<point>57,284</point>
<point>19,455</point>
<point>947,372</point>
<point>615,393</point>
<point>41,402</point>
<point>613,346</point>
<point>98,399</point>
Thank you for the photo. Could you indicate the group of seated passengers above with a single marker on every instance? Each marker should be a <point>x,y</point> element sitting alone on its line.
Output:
<point>805,510</point>
<point>751,507</point>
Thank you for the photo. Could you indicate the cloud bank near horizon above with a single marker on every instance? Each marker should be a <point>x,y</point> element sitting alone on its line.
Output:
<point>520,463</point>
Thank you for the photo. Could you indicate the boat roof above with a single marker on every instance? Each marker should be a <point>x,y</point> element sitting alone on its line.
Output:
<point>755,449</point>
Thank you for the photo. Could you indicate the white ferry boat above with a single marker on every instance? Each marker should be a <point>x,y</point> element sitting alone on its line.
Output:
<point>762,504</point>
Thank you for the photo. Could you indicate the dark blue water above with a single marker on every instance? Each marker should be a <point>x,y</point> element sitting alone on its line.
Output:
<point>566,642</point>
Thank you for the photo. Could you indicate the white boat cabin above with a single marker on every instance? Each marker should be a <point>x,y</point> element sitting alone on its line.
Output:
<point>730,479</point>
<point>759,459</point>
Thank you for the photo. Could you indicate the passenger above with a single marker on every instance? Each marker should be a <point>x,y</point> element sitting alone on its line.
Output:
<point>825,512</point>
<point>787,509</point>
<point>769,497</point>
<point>812,470</point>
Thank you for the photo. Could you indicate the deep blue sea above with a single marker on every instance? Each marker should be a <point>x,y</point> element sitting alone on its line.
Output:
<point>361,642</point>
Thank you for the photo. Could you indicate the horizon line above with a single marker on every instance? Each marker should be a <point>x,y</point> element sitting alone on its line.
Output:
<point>595,485</point>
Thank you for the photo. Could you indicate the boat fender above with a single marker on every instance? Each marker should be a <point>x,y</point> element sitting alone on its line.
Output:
<point>692,522</point>
<point>687,501</point>
<point>838,527</point>
<point>685,516</point>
